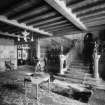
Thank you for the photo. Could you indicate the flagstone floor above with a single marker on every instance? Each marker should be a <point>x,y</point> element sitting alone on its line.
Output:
<point>14,95</point>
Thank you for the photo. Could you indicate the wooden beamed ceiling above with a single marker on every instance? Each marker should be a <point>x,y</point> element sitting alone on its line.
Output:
<point>59,27</point>
<point>51,20</point>
<point>90,12</point>
<point>50,14</point>
<point>33,15</point>
<point>51,17</point>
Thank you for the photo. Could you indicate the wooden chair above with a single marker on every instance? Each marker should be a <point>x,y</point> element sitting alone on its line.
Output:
<point>9,65</point>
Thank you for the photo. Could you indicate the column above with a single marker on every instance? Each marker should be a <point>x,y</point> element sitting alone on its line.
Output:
<point>96,64</point>
<point>38,48</point>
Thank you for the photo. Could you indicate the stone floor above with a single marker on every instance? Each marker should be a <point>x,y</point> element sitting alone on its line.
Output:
<point>12,94</point>
<point>15,95</point>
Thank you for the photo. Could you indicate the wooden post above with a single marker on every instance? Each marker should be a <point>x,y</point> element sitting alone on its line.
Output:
<point>96,64</point>
<point>38,48</point>
<point>49,84</point>
<point>37,92</point>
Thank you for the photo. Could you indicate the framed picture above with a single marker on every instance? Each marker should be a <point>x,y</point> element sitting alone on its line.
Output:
<point>19,46</point>
<point>19,54</point>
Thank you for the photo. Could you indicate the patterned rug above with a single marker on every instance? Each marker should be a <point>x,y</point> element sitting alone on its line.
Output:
<point>15,95</point>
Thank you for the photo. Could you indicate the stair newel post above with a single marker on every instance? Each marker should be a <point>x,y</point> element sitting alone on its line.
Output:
<point>63,63</point>
<point>96,62</point>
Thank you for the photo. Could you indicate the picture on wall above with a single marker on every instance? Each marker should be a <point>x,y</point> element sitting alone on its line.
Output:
<point>19,54</point>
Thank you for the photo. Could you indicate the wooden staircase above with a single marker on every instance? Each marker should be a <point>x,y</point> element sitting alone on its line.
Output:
<point>78,72</point>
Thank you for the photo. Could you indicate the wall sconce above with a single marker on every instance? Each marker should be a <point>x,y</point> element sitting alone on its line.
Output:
<point>32,39</point>
<point>18,38</point>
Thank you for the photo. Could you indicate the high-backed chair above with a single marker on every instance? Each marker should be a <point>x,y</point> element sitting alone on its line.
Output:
<point>9,65</point>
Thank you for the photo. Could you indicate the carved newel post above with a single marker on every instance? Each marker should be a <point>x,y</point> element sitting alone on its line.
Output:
<point>63,65</point>
<point>96,62</point>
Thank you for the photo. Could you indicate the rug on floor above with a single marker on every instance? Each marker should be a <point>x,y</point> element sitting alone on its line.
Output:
<point>15,95</point>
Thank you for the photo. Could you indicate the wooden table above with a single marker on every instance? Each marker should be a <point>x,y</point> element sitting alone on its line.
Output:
<point>38,78</point>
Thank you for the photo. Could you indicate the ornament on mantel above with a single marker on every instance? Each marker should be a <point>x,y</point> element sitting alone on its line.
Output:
<point>25,33</point>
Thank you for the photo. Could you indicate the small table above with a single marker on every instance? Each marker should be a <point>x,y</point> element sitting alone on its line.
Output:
<point>39,77</point>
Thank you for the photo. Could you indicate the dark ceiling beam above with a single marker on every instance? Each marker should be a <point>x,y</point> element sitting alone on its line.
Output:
<point>46,21</point>
<point>95,23</point>
<point>97,27</point>
<point>61,7</point>
<point>94,19</point>
<point>58,26</point>
<point>89,10</point>
<point>38,18</point>
<point>60,29</point>
<point>66,30</point>
<point>82,3</point>
<point>16,7</point>
<point>93,15</point>
<point>72,2</point>
<point>52,24</point>
<point>86,4</point>
<point>93,12</point>
<point>23,26</point>
<point>32,12</point>
<point>66,33</point>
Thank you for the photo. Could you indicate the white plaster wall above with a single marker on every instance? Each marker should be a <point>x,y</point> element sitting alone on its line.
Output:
<point>8,51</point>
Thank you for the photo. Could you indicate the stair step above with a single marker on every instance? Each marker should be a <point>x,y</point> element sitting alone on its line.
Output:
<point>73,80</point>
<point>77,79</point>
<point>78,74</point>
<point>82,77</point>
<point>76,71</point>
<point>75,75</point>
<point>76,66</point>
<point>79,63</point>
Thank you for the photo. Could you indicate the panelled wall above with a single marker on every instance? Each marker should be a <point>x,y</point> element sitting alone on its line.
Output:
<point>8,52</point>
